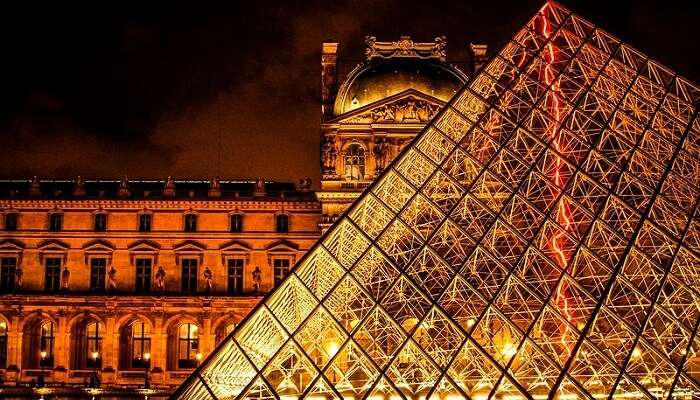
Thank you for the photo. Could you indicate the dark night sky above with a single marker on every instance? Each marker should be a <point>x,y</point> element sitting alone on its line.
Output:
<point>195,89</point>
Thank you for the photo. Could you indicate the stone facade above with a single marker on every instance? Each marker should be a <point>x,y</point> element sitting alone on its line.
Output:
<point>114,300</point>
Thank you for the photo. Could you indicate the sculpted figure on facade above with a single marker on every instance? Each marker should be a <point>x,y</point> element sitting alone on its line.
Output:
<point>305,184</point>
<point>208,280</point>
<point>329,155</point>
<point>381,153</point>
<point>65,279</point>
<point>256,279</point>
<point>112,279</point>
<point>18,276</point>
<point>160,279</point>
<point>35,188</point>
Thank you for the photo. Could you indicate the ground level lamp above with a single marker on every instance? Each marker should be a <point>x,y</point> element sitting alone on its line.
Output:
<point>95,379</point>
<point>147,363</point>
<point>42,382</point>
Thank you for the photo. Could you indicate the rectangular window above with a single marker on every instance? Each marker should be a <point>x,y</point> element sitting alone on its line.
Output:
<point>236,223</point>
<point>282,223</point>
<point>189,275</point>
<point>52,277</point>
<point>98,268</point>
<point>143,275</point>
<point>55,222</point>
<point>190,223</point>
<point>144,222</point>
<point>8,270</point>
<point>235,275</point>
<point>11,221</point>
<point>100,222</point>
<point>281,267</point>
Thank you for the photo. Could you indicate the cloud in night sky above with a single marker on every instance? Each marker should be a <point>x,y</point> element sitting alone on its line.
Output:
<point>232,89</point>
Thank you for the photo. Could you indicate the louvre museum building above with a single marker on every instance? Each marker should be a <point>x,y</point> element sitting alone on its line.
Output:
<point>526,226</point>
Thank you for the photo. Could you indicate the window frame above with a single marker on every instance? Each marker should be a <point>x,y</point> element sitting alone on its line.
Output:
<point>52,278</point>
<point>239,225</point>
<point>14,217</point>
<point>95,226</point>
<point>144,346</point>
<point>140,226</point>
<point>47,343</point>
<point>277,274</point>
<point>143,274</point>
<point>239,280</point>
<point>4,341</point>
<point>53,217</point>
<point>98,274</point>
<point>191,343</point>
<point>278,218</point>
<point>8,279</point>
<point>96,342</point>
<point>190,222</point>
<point>190,284</point>
<point>357,159</point>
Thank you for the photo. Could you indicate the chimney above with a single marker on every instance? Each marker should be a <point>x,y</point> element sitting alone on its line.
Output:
<point>329,76</point>
<point>477,56</point>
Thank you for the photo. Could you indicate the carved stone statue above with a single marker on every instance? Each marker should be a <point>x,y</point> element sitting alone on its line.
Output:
<point>79,188</point>
<point>123,187</point>
<point>381,153</point>
<point>18,277</point>
<point>65,279</point>
<point>160,279</point>
<point>329,154</point>
<point>112,279</point>
<point>305,184</point>
<point>208,280</point>
<point>169,189</point>
<point>215,187</point>
<point>35,189</point>
<point>256,279</point>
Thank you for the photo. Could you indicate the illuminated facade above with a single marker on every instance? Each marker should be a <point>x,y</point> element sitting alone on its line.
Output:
<point>539,239</point>
<point>370,113</point>
<point>150,275</point>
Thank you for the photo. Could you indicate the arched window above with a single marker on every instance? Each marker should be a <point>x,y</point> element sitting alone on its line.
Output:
<point>236,223</point>
<point>282,223</point>
<point>55,221</point>
<point>188,345</point>
<point>224,330</point>
<point>46,344</point>
<point>93,345</point>
<point>355,162</point>
<point>191,222</point>
<point>3,344</point>
<point>140,345</point>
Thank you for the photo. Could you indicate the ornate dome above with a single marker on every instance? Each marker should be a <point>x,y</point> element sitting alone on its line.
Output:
<point>378,79</point>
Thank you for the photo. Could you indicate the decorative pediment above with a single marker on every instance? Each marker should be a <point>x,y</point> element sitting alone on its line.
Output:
<point>98,248</point>
<point>144,248</point>
<point>53,245</point>
<point>284,246</point>
<point>11,245</point>
<point>189,249</point>
<point>235,248</point>
<point>144,245</point>
<point>409,106</point>
<point>189,246</point>
<point>98,245</point>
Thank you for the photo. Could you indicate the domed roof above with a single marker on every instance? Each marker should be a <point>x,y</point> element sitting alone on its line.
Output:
<point>378,79</point>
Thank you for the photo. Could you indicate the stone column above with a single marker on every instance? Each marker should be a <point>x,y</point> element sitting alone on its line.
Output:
<point>14,351</point>
<point>110,352</point>
<point>207,340</point>
<point>61,351</point>
<point>159,348</point>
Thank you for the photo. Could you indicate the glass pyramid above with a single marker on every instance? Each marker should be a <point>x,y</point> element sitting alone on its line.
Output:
<point>539,239</point>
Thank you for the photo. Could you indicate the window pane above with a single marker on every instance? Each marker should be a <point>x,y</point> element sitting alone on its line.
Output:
<point>98,268</point>
<point>189,275</point>
<point>55,221</point>
<point>235,275</point>
<point>11,222</point>
<point>236,223</point>
<point>8,271</point>
<point>143,275</point>
<point>190,223</point>
<point>282,223</point>
<point>52,274</point>
<point>145,222</point>
<point>100,222</point>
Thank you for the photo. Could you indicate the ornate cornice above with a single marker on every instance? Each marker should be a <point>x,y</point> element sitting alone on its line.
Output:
<point>135,205</point>
<point>406,47</point>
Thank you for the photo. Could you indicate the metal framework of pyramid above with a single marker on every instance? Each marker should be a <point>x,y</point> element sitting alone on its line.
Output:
<point>539,239</point>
